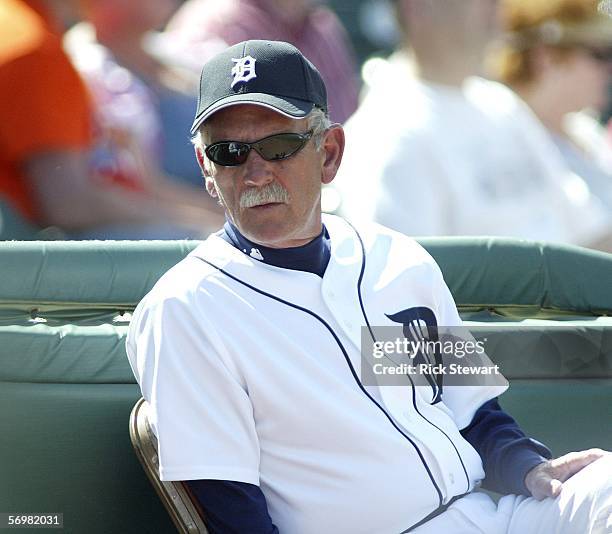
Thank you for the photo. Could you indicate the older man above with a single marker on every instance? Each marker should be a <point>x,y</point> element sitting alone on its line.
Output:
<point>248,351</point>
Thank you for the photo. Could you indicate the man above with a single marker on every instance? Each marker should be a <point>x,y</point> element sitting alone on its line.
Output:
<point>455,154</point>
<point>248,351</point>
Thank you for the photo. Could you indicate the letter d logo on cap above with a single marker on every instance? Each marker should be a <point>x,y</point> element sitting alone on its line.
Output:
<point>243,70</point>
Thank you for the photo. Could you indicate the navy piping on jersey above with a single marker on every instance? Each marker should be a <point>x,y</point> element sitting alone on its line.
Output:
<point>351,368</point>
<point>365,316</point>
<point>441,509</point>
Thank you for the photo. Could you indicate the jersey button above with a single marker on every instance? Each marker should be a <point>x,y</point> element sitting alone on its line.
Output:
<point>451,478</point>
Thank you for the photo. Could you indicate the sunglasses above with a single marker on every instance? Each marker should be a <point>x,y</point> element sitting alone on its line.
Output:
<point>271,148</point>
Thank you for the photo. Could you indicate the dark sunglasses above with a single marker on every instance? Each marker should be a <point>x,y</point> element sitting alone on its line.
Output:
<point>271,148</point>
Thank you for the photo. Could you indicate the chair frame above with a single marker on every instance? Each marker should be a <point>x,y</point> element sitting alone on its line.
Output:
<point>178,500</point>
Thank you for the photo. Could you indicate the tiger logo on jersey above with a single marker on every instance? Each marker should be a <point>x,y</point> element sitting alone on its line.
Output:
<point>420,324</point>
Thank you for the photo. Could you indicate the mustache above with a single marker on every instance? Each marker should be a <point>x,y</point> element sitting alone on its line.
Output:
<point>273,192</point>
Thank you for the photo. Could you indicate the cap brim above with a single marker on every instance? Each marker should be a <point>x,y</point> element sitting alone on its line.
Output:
<point>290,107</point>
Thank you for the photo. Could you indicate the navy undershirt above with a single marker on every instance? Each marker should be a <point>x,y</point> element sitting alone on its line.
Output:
<point>312,257</point>
<point>507,454</point>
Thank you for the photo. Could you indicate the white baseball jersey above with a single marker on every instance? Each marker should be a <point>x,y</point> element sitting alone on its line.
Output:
<point>253,375</point>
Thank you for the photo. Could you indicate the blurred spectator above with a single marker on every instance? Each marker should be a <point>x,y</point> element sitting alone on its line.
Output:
<point>44,109</point>
<point>311,27</point>
<point>127,80</point>
<point>46,140</point>
<point>436,150</point>
<point>557,56</point>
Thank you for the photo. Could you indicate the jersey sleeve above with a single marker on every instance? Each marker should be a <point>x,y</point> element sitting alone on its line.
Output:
<point>201,411</point>
<point>233,507</point>
<point>462,400</point>
<point>507,453</point>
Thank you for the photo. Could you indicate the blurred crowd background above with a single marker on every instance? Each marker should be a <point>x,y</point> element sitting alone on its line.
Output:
<point>463,117</point>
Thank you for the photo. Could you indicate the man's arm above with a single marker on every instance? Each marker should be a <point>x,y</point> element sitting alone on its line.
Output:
<point>69,196</point>
<point>507,453</point>
<point>514,463</point>
<point>232,507</point>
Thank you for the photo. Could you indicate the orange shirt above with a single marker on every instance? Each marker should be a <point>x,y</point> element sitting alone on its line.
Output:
<point>44,105</point>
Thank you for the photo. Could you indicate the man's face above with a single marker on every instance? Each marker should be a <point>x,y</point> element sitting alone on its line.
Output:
<point>284,222</point>
<point>293,11</point>
<point>577,80</point>
<point>466,25</point>
<point>475,23</point>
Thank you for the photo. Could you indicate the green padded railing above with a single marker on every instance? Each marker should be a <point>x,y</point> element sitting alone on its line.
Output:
<point>481,273</point>
<point>64,306</point>
<point>83,274</point>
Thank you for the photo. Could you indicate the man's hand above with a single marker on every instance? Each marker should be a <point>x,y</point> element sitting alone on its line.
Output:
<point>546,479</point>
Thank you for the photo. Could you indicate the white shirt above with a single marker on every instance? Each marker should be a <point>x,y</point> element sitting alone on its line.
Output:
<point>427,159</point>
<point>253,374</point>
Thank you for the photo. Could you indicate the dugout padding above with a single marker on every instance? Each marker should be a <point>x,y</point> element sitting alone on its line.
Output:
<point>66,389</point>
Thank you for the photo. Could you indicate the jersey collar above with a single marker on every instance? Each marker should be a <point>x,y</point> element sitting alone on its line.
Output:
<point>312,257</point>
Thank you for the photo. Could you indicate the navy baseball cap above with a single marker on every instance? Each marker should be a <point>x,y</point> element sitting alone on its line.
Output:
<point>273,74</point>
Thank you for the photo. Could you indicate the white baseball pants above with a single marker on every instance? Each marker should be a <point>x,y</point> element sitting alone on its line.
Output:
<point>583,507</point>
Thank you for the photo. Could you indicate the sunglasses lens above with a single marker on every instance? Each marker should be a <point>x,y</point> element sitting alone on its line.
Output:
<point>228,153</point>
<point>280,146</point>
<point>275,147</point>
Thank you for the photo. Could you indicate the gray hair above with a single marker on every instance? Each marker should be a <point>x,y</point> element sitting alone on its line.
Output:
<point>318,121</point>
